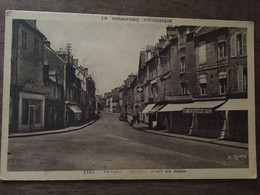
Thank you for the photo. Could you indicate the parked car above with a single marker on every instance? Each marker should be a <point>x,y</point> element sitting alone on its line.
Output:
<point>123,117</point>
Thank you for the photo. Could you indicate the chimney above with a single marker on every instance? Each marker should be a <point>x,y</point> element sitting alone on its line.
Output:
<point>171,32</point>
<point>76,62</point>
<point>85,71</point>
<point>47,43</point>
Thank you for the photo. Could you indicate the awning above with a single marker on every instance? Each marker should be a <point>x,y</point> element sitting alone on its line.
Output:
<point>174,107</point>
<point>205,107</point>
<point>148,108</point>
<point>75,109</point>
<point>234,104</point>
<point>156,108</point>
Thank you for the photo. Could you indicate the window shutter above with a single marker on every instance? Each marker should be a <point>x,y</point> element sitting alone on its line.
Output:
<point>244,44</point>
<point>233,45</point>
<point>240,79</point>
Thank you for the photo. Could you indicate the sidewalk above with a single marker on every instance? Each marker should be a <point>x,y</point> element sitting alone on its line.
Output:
<point>47,132</point>
<point>143,127</point>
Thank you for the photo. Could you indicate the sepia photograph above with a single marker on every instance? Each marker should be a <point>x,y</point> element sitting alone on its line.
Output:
<point>90,96</point>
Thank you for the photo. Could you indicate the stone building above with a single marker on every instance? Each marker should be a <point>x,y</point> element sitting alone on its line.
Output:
<point>53,88</point>
<point>45,92</point>
<point>27,98</point>
<point>235,108</point>
<point>194,75</point>
<point>91,99</point>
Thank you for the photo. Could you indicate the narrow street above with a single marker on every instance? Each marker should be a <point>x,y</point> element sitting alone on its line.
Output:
<point>111,144</point>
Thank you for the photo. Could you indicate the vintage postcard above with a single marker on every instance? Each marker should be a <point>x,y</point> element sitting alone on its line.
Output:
<point>95,97</point>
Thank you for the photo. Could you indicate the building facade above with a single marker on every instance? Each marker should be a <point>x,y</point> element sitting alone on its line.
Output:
<point>191,81</point>
<point>48,91</point>
<point>27,99</point>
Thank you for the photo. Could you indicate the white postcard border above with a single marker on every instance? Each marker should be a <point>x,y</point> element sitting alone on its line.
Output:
<point>235,173</point>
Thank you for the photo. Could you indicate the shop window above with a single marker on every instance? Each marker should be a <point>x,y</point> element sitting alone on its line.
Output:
<point>202,53</point>
<point>221,50</point>
<point>25,111</point>
<point>24,40</point>
<point>223,86</point>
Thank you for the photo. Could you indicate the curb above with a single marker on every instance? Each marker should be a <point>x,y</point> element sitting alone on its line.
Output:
<point>50,132</point>
<point>194,139</point>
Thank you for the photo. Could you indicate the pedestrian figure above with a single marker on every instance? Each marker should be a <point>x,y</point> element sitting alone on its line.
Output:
<point>134,119</point>
<point>137,118</point>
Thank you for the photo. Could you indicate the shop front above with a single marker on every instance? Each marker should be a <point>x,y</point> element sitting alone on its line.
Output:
<point>235,125</point>
<point>145,112</point>
<point>73,114</point>
<point>205,121</point>
<point>154,118</point>
<point>54,114</point>
<point>173,119</point>
<point>31,112</point>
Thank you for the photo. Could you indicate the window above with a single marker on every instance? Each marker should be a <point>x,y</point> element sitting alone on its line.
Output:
<point>238,44</point>
<point>203,89</point>
<point>221,50</point>
<point>24,40</point>
<point>183,89</point>
<point>38,111</point>
<point>25,111</point>
<point>183,64</point>
<point>203,84</point>
<point>36,49</point>
<point>202,53</point>
<point>223,86</point>
<point>155,91</point>
<point>31,111</point>
<point>242,79</point>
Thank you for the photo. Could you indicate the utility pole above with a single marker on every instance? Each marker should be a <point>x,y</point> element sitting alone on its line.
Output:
<point>68,48</point>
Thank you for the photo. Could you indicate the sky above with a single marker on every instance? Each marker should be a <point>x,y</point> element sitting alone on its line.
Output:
<point>109,50</point>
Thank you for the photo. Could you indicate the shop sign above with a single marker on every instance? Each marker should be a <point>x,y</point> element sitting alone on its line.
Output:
<point>198,110</point>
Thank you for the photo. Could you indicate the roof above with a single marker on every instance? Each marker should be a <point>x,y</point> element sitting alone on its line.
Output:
<point>34,28</point>
<point>205,30</point>
<point>142,58</point>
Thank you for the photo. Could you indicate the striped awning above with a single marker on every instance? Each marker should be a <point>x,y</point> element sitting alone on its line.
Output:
<point>75,109</point>
<point>203,107</point>
<point>234,104</point>
<point>148,108</point>
<point>174,107</point>
<point>156,108</point>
